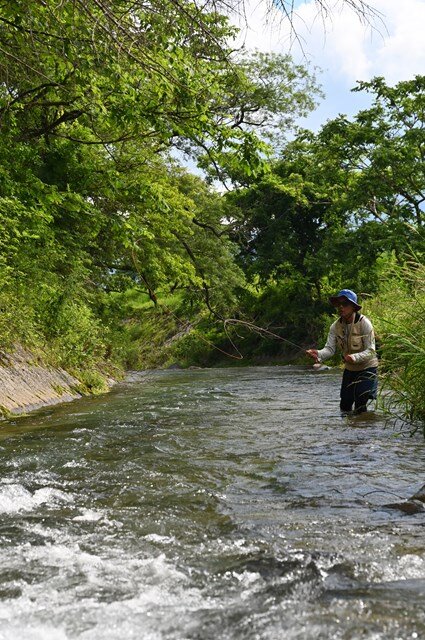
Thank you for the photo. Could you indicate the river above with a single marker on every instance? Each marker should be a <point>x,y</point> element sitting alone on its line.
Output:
<point>210,505</point>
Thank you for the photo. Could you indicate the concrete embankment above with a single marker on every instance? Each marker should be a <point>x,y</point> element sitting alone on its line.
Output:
<point>26,385</point>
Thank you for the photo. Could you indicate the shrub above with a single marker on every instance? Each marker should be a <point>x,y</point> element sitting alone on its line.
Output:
<point>398,314</point>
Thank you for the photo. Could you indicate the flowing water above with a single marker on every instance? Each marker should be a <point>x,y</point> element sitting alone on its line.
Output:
<point>210,504</point>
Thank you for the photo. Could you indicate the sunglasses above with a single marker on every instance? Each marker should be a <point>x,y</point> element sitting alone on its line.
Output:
<point>343,304</point>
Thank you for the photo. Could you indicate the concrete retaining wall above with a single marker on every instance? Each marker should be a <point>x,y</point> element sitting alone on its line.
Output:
<point>26,385</point>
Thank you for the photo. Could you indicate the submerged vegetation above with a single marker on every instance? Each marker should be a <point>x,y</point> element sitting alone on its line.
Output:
<point>114,257</point>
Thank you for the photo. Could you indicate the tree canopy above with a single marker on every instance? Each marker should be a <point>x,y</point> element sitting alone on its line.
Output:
<point>93,98</point>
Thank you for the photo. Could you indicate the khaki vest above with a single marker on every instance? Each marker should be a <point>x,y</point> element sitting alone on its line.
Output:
<point>350,340</point>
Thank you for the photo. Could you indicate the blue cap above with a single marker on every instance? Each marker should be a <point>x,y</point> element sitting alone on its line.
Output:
<point>348,295</point>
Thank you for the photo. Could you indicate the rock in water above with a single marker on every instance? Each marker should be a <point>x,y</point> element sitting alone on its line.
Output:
<point>410,507</point>
<point>419,495</point>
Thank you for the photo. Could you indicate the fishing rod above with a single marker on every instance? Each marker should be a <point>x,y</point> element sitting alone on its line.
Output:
<point>227,322</point>
<point>260,330</point>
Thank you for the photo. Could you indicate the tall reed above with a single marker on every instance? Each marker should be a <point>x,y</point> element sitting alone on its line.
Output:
<point>399,317</point>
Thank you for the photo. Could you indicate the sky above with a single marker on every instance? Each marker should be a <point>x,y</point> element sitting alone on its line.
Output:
<point>345,49</point>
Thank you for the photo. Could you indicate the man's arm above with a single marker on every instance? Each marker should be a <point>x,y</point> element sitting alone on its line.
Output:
<point>328,350</point>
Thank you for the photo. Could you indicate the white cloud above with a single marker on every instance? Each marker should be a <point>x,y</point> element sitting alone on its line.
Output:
<point>402,53</point>
<point>344,47</point>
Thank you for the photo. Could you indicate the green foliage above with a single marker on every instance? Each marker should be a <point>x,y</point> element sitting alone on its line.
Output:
<point>76,336</point>
<point>195,348</point>
<point>155,74</point>
<point>381,154</point>
<point>280,224</point>
<point>264,94</point>
<point>93,96</point>
<point>65,59</point>
<point>4,412</point>
<point>398,314</point>
<point>91,382</point>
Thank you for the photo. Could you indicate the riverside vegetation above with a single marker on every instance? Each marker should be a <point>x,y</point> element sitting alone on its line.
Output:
<point>114,257</point>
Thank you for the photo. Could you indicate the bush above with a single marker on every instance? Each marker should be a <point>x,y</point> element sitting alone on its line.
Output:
<point>92,381</point>
<point>398,314</point>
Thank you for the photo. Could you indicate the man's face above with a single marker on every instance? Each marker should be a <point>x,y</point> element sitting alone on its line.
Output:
<point>345,308</point>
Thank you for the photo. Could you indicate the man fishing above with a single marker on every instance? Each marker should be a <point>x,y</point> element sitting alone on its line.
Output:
<point>354,336</point>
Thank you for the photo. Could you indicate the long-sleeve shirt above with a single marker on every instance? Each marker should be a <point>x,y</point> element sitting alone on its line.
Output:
<point>356,338</point>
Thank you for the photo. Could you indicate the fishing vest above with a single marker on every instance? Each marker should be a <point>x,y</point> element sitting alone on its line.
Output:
<point>350,340</point>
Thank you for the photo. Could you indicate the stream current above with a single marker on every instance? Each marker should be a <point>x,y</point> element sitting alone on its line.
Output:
<point>210,505</point>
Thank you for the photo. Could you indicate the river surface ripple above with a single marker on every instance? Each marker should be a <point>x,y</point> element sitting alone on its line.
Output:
<point>210,504</point>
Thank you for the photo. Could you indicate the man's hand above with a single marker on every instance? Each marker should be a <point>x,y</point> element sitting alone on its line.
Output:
<point>313,354</point>
<point>349,358</point>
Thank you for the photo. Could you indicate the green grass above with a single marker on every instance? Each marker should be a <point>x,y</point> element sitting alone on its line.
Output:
<point>398,314</point>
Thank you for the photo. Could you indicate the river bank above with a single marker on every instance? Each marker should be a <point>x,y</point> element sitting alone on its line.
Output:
<point>27,384</point>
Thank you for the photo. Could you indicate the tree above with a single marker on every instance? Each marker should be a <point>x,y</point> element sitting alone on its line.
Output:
<point>99,72</point>
<point>377,163</point>
<point>280,225</point>
<point>109,71</point>
<point>93,95</point>
<point>265,93</point>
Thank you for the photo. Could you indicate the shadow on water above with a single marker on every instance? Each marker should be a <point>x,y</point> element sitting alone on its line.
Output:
<point>227,503</point>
